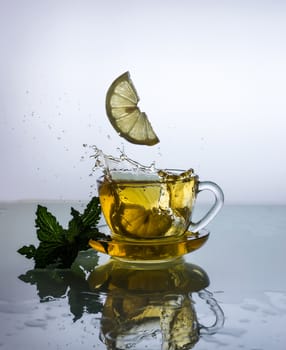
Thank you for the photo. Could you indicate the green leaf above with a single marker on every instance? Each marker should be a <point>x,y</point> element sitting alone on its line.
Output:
<point>59,247</point>
<point>48,253</point>
<point>48,229</point>
<point>91,215</point>
<point>74,226</point>
<point>27,251</point>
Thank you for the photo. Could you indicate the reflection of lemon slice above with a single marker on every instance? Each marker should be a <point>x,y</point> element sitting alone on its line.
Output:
<point>125,116</point>
<point>137,222</point>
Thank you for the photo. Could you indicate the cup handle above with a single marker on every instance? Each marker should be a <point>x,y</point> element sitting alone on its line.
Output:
<point>216,309</point>
<point>219,199</point>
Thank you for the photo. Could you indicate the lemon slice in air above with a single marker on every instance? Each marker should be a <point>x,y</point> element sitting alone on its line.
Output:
<point>125,116</point>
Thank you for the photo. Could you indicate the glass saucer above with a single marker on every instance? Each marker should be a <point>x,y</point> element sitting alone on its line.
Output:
<point>153,251</point>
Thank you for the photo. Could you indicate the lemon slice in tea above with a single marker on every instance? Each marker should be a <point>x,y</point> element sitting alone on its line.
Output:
<point>134,221</point>
<point>124,114</point>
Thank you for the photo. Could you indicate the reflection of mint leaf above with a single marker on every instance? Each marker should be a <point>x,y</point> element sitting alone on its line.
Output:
<point>71,283</point>
<point>58,246</point>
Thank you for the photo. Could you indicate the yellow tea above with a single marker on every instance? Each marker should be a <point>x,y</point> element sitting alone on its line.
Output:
<point>146,206</point>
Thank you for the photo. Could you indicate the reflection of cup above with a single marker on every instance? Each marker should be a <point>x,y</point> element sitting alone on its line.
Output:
<point>140,206</point>
<point>152,306</point>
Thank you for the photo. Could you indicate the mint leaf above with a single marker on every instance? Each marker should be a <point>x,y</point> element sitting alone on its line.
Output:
<point>27,251</point>
<point>59,247</point>
<point>83,227</point>
<point>91,215</point>
<point>58,255</point>
<point>48,229</point>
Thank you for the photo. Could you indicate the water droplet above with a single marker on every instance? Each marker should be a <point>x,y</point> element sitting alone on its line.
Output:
<point>39,323</point>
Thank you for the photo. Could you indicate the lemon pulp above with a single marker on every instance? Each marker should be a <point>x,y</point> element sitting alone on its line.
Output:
<point>124,114</point>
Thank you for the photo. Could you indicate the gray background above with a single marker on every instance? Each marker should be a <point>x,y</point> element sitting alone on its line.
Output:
<point>211,76</point>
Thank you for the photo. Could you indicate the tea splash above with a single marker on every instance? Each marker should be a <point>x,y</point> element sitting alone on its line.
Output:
<point>110,164</point>
<point>115,168</point>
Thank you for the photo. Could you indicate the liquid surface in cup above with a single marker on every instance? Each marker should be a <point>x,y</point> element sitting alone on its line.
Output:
<point>148,207</point>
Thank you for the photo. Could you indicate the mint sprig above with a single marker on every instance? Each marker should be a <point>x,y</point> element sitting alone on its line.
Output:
<point>59,247</point>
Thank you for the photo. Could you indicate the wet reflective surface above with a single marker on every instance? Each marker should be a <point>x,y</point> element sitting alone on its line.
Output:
<point>229,294</point>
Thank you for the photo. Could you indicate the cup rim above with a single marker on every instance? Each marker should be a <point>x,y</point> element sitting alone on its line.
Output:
<point>172,175</point>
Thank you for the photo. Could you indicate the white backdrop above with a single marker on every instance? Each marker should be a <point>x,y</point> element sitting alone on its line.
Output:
<point>211,76</point>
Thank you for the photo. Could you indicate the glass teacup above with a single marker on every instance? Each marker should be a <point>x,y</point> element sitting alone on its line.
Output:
<point>155,205</point>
